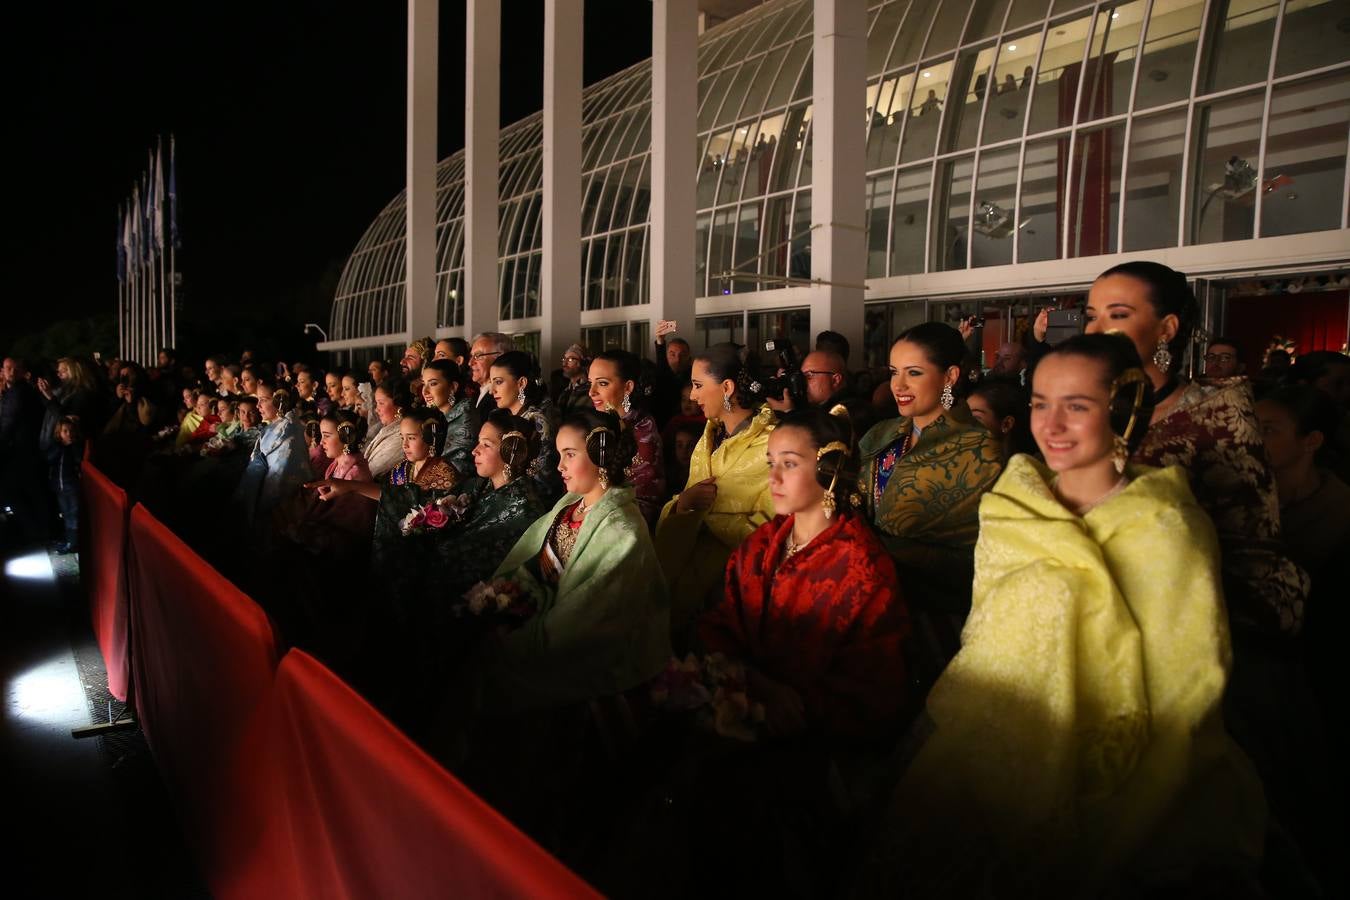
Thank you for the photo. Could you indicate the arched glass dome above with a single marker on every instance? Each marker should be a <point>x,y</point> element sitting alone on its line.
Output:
<point>998,132</point>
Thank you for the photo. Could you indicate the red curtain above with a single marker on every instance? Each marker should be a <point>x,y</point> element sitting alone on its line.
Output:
<point>103,567</point>
<point>368,814</point>
<point>1089,196</point>
<point>1314,321</point>
<point>203,659</point>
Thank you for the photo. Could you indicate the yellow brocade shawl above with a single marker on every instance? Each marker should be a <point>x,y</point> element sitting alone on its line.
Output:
<point>694,547</point>
<point>1078,733</point>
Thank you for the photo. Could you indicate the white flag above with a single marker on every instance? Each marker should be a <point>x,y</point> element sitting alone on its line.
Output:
<point>157,193</point>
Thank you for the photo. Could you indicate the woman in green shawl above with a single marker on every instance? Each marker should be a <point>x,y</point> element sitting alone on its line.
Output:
<point>921,481</point>
<point>601,624</point>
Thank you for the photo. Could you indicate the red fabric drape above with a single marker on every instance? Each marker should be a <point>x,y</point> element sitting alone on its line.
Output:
<point>1089,196</point>
<point>1314,320</point>
<point>203,658</point>
<point>368,814</point>
<point>103,566</point>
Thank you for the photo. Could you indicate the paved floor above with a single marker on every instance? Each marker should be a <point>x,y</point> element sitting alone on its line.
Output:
<point>85,817</point>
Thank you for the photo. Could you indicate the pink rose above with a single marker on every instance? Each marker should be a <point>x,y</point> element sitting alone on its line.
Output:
<point>435,517</point>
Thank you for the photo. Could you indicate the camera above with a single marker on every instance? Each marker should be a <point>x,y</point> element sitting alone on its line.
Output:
<point>1062,324</point>
<point>792,380</point>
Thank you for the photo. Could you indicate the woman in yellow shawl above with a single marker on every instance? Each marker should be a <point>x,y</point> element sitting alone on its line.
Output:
<point>921,480</point>
<point>727,496</point>
<point>1078,745</point>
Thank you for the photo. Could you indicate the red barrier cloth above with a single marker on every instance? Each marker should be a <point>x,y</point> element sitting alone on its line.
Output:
<point>103,571</point>
<point>370,815</point>
<point>203,660</point>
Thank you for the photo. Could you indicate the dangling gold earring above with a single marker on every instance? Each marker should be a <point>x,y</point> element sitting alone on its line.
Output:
<point>827,504</point>
<point>604,479</point>
<point>1162,357</point>
<point>726,402</point>
<point>1120,454</point>
<point>506,471</point>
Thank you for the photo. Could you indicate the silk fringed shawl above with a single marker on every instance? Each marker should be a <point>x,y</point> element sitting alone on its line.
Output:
<point>694,546</point>
<point>604,628</point>
<point>928,514</point>
<point>829,621</point>
<point>1078,735</point>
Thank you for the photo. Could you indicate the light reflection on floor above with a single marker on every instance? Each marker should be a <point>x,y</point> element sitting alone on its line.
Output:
<point>32,567</point>
<point>49,693</point>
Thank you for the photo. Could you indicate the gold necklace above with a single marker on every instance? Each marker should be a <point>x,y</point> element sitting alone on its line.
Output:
<point>792,547</point>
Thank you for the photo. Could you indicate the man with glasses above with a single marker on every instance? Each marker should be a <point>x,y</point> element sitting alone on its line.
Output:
<point>568,387</point>
<point>1222,359</point>
<point>826,376</point>
<point>485,348</point>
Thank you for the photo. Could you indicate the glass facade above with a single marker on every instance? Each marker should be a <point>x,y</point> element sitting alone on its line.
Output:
<point>997,132</point>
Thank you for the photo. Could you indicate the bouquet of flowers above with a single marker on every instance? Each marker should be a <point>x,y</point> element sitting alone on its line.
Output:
<point>712,687</point>
<point>434,515</point>
<point>499,599</point>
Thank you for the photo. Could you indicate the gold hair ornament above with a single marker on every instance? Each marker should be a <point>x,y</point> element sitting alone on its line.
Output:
<point>1121,444</point>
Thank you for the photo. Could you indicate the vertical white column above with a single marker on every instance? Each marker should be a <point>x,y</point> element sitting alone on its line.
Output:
<point>561,281</point>
<point>420,261</point>
<point>838,244</point>
<point>674,107</point>
<point>482,122</point>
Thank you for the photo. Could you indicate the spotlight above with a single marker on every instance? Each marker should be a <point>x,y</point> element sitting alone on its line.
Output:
<point>33,567</point>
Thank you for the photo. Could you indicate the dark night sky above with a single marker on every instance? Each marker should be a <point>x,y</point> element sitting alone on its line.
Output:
<point>290,125</point>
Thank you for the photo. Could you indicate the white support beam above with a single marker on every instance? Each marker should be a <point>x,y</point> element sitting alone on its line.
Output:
<point>482,124</point>
<point>560,284</point>
<point>838,240</point>
<point>674,130</point>
<point>420,260</point>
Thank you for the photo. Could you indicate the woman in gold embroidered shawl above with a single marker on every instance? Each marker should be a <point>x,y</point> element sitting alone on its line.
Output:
<point>727,496</point>
<point>921,480</point>
<point>1078,741</point>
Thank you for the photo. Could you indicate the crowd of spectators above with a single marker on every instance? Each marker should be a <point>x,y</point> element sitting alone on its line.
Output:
<point>702,624</point>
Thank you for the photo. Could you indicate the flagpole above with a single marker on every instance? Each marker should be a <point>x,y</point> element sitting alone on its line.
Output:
<point>173,242</point>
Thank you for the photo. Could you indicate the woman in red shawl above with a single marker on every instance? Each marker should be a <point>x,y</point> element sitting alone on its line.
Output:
<point>812,606</point>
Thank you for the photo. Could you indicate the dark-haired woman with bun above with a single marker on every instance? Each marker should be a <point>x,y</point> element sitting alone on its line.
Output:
<point>921,481</point>
<point>812,605</point>
<point>1210,430</point>
<point>727,496</point>
<point>602,619</point>
<point>615,379</point>
<point>1077,745</point>
<point>513,381</point>
<point>1003,407</point>
<point>443,388</point>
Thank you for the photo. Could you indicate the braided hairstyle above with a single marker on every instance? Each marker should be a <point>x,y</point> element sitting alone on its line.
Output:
<point>432,423</point>
<point>609,445</point>
<point>351,428</point>
<point>725,363</point>
<point>516,452</point>
<point>1131,391</point>
<point>837,468</point>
